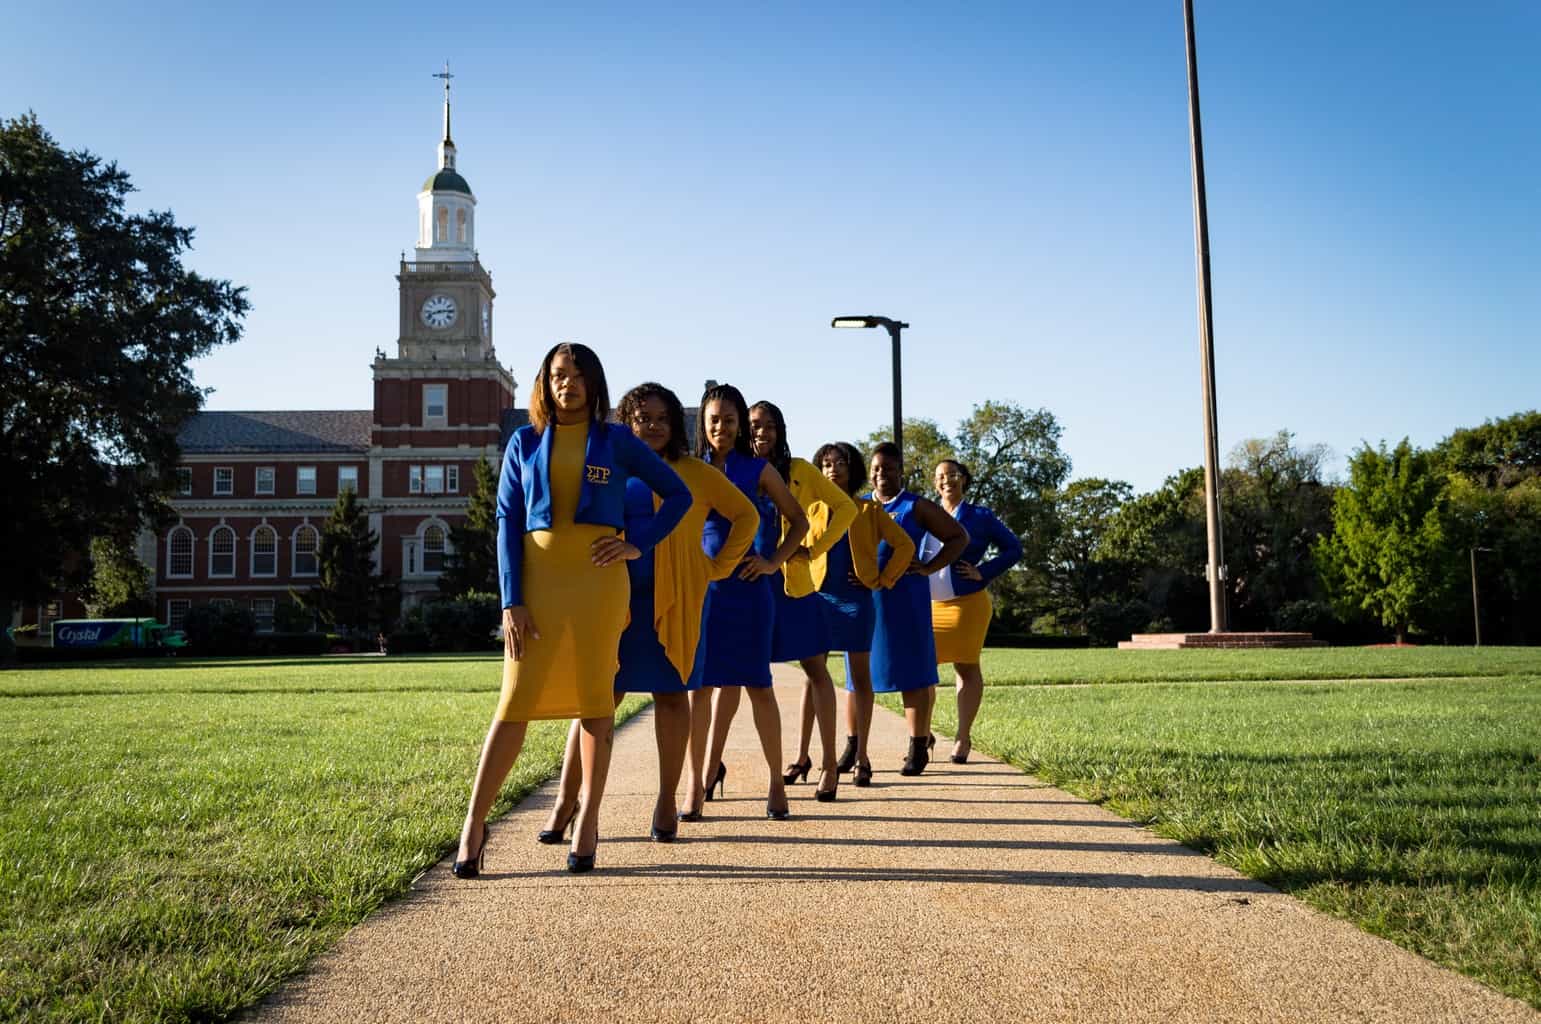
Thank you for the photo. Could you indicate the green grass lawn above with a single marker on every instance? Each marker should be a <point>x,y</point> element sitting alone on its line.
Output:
<point>177,837</point>
<point>1410,807</point>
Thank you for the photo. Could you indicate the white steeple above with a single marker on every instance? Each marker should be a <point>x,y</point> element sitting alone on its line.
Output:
<point>446,209</point>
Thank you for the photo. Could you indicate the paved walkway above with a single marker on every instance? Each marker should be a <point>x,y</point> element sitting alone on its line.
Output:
<point>971,893</point>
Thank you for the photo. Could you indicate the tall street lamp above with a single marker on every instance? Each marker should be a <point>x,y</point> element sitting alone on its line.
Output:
<point>1216,567</point>
<point>893,327</point>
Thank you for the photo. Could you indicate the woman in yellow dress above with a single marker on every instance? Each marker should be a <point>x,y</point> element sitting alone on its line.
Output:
<point>668,588</point>
<point>561,564</point>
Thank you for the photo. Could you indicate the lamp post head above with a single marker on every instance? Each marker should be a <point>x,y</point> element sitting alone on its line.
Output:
<point>866,321</point>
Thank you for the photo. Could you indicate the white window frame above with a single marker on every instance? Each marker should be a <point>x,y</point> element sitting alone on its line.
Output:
<point>272,487</point>
<point>227,473</point>
<point>350,474</point>
<point>177,608</point>
<point>442,419</point>
<point>299,479</point>
<point>294,551</point>
<point>214,574</point>
<point>184,481</point>
<point>272,607</point>
<point>255,553</point>
<point>443,549</point>
<point>192,547</point>
<point>414,479</point>
<point>433,479</point>
<point>451,479</point>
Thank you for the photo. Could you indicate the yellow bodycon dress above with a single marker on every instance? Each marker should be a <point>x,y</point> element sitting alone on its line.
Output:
<point>579,609</point>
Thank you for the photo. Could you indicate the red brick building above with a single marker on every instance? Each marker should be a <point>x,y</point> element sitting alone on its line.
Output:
<point>255,488</point>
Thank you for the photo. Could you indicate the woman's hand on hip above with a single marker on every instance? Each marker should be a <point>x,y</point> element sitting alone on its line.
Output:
<point>754,567</point>
<point>609,550</point>
<point>518,629</point>
<point>967,570</point>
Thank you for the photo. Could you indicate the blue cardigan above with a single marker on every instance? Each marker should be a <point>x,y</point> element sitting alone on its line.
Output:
<point>983,530</point>
<point>614,455</point>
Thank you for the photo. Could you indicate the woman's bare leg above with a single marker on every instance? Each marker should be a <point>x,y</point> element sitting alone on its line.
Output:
<point>700,726</point>
<point>499,752</point>
<point>567,789</point>
<point>724,707</point>
<point>858,703</point>
<point>820,689</point>
<point>767,722</point>
<point>594,746</point>
<point>970,685</point>
<point>805,720</point>
<point>671,728</point>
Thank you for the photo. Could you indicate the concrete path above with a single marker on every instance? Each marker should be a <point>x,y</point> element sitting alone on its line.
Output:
<point>971,893</point>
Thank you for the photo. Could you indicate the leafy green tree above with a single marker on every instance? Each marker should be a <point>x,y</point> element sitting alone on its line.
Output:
<point>1078,569</point>
<point>1017,463</point>
<point>471,566</point>
<point>1500,453</point>
<point>925,444</point>
<point>1389,552</point>
<point>1161,537</point>
<point>345,596</point>
<point>99,321</point>
<point>120,584</point>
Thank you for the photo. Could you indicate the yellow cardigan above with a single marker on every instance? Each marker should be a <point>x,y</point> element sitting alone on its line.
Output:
<point>873,524</point>
<point>681,568</point>
<point>830,513</point>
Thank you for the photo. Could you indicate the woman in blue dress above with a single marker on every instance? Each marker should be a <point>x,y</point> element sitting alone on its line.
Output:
<point>903,647</point>
<point>737,624</point>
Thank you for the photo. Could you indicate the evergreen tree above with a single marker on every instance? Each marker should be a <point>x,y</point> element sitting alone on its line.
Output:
<point>1388,553</point>
<point>346,596</point>
<point>471,566</point>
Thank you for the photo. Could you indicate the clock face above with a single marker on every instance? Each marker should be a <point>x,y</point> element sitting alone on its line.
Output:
<point>439,311</point>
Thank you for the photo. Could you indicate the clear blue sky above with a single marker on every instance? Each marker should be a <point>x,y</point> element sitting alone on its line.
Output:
<point>695,190</point>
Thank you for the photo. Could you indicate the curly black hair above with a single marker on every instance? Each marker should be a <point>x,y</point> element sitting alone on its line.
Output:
<point>856,469</point>
<point>631,404</point>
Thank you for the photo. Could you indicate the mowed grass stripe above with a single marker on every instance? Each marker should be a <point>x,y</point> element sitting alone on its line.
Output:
<point>173,857</point>
<point>1411,808</point>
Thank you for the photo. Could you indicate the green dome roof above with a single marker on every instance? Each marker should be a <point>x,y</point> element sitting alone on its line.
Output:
<point>446,181</point>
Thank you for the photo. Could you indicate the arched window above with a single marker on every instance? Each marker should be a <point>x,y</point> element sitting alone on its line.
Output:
<point>460,226</point>
<point>442,227</point>
<point>222,552</point>
<point>433,549</point>
<point>264,551</point>
<point>307,542</point>
<point>179,552</point>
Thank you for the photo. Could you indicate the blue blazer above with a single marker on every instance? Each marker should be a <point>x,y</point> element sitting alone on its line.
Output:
<point>983,530</point>
<point>613,457</point>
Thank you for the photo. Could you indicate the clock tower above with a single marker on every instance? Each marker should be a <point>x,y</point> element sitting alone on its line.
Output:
<point>440,402</point>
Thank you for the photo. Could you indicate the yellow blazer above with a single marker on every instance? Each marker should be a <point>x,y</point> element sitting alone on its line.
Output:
<point>873,524</point>
<point>830,512</point>
<point>682,569</point>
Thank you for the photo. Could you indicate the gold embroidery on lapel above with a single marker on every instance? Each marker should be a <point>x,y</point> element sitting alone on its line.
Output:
<point>598,474</point>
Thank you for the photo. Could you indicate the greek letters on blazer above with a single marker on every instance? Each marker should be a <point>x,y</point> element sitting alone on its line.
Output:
<point>983,529</point>
<point>612,457</point>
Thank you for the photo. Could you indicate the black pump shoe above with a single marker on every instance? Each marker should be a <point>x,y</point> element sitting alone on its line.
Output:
<point>720,783</point>
<point>777,813</point>
<point>826,796</point>
<point>798,769</point>
<point>578,863</point>
<point>864,774</point>
<point>847,756</point>
<point>472,867</point>
<point>552,836</point>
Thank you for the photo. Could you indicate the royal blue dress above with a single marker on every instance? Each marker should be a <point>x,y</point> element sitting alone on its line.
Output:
<point>903,646</point>
<point>849,613</point>
<point>645,666</point>
<point>738,618</point>
<point>799,629</point>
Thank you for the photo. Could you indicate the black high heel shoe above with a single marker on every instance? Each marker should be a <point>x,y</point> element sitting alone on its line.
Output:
<point>864,774</point>
<point>664,835</point>
<point>777,813</point>
<point>916,760</point>
<point>578,863</point>
<point>552,836</point>
<point>472,866</point>
<point>930,743</point>
<point>719,783</point>
<point>963,757</point>
<point>826,796</point>
<point>847,756</point>
<point>796,770</point>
